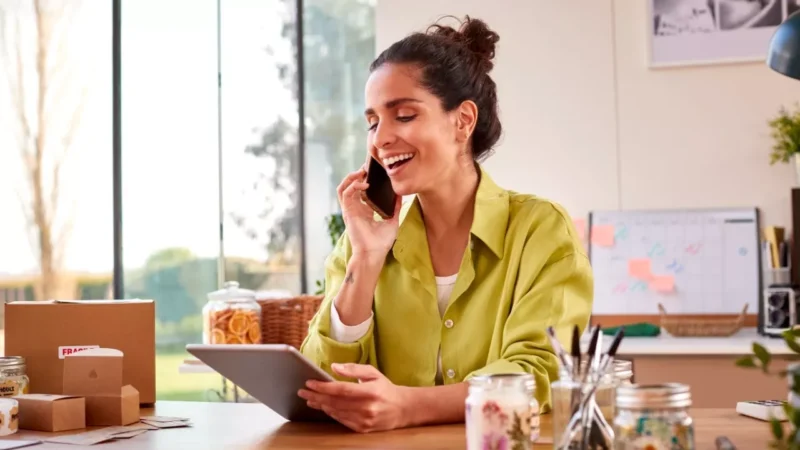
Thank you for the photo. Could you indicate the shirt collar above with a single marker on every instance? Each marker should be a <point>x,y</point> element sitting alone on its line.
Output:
<point>488,224</point>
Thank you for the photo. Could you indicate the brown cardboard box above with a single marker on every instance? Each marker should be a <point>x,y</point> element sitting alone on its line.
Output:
<point>45,412</point>
<point>96,375</point>
<point>44,332</point>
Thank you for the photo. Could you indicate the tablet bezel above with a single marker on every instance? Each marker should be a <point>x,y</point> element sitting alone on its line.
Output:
<point>270,373</point>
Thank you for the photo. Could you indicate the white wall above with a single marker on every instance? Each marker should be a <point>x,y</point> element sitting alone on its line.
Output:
<point>655,138</point>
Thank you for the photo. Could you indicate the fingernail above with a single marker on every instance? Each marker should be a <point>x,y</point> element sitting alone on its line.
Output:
<point>311,384</point>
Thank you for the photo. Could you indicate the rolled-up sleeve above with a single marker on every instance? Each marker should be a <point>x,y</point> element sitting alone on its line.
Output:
<point>320,346</point>
<point>560,295</point>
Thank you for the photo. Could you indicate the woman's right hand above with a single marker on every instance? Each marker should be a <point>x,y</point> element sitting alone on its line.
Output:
<point>369,238</point>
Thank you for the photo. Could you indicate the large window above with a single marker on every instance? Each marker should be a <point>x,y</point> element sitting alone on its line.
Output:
<point>55,150</point>
<point>220,179</point>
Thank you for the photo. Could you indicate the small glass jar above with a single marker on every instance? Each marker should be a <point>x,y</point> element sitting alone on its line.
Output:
<point>13,379</point>
<point>502,412</point>
<point>232,316</point>
<point>654,416</point>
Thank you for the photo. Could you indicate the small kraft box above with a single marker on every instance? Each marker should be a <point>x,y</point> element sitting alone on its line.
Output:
<point>45,412</point>
<point>44,332</point>
<point>96,375</point>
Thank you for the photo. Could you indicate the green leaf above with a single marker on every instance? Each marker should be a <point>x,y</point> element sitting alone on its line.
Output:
<point>762,354</point>
<point>746,361</point>
<point>777,428</point>
<point>792,344</point>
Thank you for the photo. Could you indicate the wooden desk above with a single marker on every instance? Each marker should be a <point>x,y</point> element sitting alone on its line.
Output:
<point>253,426</point>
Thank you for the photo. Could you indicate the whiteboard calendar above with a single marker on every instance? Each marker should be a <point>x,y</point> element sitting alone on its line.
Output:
<point>690,261</point>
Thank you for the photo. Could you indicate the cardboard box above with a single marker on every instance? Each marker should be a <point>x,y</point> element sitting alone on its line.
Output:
<point>45,332</point>
<point>45,412</point>
<point>96,375</point>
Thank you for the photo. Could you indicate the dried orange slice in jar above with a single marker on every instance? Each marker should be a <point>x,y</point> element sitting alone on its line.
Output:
<point>254,333</point>
<point>233,339</point>
<point>218,336</point>
<point>239,323</point>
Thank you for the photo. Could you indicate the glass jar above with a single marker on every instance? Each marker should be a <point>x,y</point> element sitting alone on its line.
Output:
<point>232,316</point>
<point>654,416</point>
<point>13,379</point>
<point>502,412</point>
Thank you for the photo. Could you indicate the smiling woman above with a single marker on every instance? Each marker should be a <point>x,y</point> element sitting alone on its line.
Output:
<point>461,281</point>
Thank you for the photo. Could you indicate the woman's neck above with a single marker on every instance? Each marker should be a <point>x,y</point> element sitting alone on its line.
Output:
<point>451,205</point>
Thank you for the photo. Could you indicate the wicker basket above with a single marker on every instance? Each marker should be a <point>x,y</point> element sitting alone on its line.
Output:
<point>285,321</point>
<point>691,326</point>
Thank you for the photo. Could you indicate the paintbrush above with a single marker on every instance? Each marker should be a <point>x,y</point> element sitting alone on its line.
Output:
<point>559,351</point>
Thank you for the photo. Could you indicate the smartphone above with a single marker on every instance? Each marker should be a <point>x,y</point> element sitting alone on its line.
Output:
<point>379,195</point>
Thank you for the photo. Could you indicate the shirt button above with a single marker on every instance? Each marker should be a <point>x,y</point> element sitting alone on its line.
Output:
<point>451,373</point>
<point>448,323</point>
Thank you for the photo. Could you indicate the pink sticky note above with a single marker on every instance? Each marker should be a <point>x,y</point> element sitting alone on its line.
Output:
<point>663,283</point>
<point>580,226</point>
<point>603,235</point>
<point>640,268</point>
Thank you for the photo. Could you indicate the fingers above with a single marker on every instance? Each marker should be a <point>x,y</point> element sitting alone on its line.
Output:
<point>349,179</point>
<point>354,190</point>
<point>341,389</point>
<point>317,400</point>
<point>362,372</point>
<point>348,419</point>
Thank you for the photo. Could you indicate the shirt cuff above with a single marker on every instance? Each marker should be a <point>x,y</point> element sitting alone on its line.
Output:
<point>347,333</point>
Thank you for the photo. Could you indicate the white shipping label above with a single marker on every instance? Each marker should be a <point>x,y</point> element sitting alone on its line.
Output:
<point>70,349</point>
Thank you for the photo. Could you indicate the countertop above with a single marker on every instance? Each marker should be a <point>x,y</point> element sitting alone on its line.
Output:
<point>740,343</point>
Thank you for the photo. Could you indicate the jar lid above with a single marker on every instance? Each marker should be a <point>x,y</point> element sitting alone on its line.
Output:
<point>231,291</point>
<point>623,369</point>
<point>653,396</point>
<point>8,361</point>
<point>504,380</point>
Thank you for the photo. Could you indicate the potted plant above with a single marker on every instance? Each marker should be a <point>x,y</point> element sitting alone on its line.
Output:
<point>335,224</point>
<point>784,438</point>
<point>785,132</point>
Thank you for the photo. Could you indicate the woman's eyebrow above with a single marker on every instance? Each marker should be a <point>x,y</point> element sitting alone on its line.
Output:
<point>393,103</point>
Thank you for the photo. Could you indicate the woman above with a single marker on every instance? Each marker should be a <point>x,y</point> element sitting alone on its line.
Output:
<point>464,279</point>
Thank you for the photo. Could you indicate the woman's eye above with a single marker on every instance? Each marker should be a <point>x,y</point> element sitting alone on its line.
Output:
<point>372,126</point>
<point>406,118</point>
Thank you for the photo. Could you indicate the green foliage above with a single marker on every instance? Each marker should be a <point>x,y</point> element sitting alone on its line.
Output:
<point>335,224</point>
<point>785,132</point>
<point>761,359</point>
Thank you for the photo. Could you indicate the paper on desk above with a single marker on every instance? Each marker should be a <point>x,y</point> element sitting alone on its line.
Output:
<point>163,419</point>
<point>86,438</point>
<point>173,424</point>
<point>8,445</point>
<point>103,434</point>
<point>129,434</point>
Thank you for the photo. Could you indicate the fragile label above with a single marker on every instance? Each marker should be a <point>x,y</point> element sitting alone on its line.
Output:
<point>70,349</point>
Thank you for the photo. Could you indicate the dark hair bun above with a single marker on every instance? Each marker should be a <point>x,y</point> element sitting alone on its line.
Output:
<point>473,34</point>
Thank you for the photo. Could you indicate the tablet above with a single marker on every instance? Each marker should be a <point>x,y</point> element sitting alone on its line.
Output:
<point>270,373</point>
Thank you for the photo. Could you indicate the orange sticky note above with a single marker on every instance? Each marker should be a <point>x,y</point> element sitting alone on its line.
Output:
<point>663,283</point>
<point>580,226</point>
<point>603,235</point>
<point>640,268</point>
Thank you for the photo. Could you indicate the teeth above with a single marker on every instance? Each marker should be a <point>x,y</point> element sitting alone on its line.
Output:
<point>389,161</point>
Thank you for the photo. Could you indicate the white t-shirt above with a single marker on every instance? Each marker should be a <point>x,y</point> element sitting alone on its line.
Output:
<point>351,333</point>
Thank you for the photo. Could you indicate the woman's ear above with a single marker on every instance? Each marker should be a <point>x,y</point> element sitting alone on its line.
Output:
<point>466,118</point>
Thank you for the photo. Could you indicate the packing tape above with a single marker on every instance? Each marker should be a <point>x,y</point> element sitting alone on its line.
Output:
<point>9,420</point>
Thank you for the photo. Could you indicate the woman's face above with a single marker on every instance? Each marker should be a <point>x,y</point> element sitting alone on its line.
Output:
<point>410,134</point>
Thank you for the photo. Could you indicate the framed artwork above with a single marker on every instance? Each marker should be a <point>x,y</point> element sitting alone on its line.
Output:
<point>693,32</point>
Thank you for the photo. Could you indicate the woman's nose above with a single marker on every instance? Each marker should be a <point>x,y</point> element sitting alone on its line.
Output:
<point>383,137</point>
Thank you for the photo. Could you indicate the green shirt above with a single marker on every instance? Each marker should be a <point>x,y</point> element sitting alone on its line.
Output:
<point>524,270</point>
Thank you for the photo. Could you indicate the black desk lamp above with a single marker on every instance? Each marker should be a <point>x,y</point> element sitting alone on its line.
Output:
<point>784,48</point>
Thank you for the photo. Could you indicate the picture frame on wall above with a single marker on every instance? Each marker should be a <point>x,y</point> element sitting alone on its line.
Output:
<point>698,32</point>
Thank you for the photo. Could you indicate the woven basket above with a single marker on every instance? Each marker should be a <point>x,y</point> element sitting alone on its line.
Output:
<point>691,326</point>
<point>285,320</point>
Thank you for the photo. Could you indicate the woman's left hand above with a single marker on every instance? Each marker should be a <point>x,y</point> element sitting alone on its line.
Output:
<point>372,404</point>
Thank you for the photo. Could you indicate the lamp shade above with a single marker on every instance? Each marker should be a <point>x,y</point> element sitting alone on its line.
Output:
<point>784,48</point>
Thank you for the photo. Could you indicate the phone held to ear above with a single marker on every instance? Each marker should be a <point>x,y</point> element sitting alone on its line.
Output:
<point>379,195</point>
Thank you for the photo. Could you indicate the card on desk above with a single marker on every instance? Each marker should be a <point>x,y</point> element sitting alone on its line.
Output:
<point>762,409</point>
